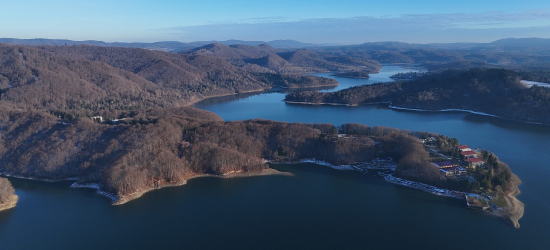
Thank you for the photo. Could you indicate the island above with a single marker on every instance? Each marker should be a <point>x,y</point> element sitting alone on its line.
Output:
<point>8,198</point>
<point>493,92</point>
<point>124,154</point>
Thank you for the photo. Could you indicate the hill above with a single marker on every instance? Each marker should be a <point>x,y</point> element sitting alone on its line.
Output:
<point>285,61</point>
<point>167,46</point>
<point>523,42</point>
<point>497,92</point>
<point>514,54</point>
<point>154,148</point>
<point>98,78</point>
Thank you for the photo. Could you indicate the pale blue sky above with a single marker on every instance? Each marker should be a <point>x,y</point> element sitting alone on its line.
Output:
<point>344,21</point>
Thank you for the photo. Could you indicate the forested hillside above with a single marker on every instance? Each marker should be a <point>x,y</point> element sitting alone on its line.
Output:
<point>532,55</point>
<point>169,146</point>
<point>104,78</point>
<point>286,61</point>
<point>494,91</point>
<point>116,117</point>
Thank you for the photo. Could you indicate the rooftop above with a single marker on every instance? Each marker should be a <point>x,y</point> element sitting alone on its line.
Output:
<point>474,160</point>
<point>444,163</point>
<point>453,169</point>
<point>468,153</point>
<point>462,146</point>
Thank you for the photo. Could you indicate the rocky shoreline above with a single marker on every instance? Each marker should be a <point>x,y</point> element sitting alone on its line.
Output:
<point>511,213</point>
<point>515,208</point>
<point>12,201</point>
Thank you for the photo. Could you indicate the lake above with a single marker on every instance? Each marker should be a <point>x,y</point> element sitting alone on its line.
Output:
<point>318,207</point>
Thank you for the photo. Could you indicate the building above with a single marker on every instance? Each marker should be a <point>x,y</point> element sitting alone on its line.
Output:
<point>463,148</point>
<point>454,171</point>
<point>476,162</point>
<point>445,164</point>
<point>469,154</point>
<point>431,139</point>
<point>97,118</point>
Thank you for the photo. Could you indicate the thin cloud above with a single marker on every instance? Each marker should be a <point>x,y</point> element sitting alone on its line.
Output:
<point>366,28</point>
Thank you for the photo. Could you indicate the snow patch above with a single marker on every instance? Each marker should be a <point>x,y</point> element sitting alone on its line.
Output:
<point>96,186</point>
<point>462,110</point>
<point>24,62</point>
<point>532,83</point>
<point>324,163</point>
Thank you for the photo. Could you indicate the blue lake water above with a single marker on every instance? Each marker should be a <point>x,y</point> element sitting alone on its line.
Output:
<point>317,208</point>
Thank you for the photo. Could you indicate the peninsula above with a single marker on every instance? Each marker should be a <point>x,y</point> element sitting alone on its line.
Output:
<point>8,199</point>
<point>495,92</point>
<point>124,154</point>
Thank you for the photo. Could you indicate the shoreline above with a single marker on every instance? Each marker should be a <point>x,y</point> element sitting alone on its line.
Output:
<point>512,213</point>
<point>424,187</point>
<point>12,201</point>
<point>305,87</point>
<point>467,111</point>
<point>191,103</point>
<point>418,110</point>
<point>116,200</point>
<point>320,103</point>
<point>6,174</point>
<point>335,104</point>
<point>515,209</point>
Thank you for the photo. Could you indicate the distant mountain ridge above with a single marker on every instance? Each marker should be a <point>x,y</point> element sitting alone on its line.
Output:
<point>275,56</point>
<point>168,46</point>
<point>296,61</point>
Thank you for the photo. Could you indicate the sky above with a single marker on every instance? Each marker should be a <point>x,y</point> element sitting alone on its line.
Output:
<point>321,21</point>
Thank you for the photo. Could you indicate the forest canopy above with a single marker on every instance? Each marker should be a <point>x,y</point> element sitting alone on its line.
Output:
<point>494,91</point>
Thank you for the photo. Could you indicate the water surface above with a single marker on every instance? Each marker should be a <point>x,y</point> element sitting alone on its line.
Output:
<point>317,208</point>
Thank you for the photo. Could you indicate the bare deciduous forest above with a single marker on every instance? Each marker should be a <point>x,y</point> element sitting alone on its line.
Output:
<point>6,190</point>
<point>117,117</point>
<point>493,91</point>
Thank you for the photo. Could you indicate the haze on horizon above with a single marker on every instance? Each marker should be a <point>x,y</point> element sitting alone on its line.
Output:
<point>338,22</point>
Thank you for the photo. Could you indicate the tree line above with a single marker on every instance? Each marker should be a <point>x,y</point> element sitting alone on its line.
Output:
<point>172,145</point>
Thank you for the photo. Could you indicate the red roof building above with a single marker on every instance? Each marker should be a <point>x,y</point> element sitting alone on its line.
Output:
<point>468,153</point>
<point>476,162</point>
<point>462,148</point>
<point>472,160</point>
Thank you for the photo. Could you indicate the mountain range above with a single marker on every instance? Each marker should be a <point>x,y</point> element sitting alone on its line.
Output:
<point>168,46</point>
